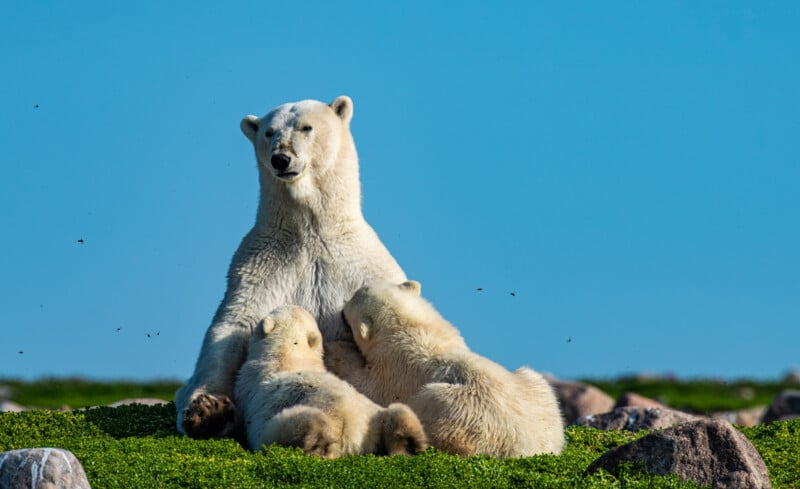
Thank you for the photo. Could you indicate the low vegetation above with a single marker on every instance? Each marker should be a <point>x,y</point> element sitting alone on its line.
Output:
<point>75,393</point>
<point>695,396</point>
<point>137,446</point>
<point>699,396</point>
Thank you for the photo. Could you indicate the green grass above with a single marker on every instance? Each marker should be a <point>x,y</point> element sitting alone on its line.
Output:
<point>697,396</point>
<point>53,393</point>
<point>137,446</point>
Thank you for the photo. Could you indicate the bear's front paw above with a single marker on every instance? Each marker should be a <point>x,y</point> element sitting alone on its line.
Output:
<point>210,416</point>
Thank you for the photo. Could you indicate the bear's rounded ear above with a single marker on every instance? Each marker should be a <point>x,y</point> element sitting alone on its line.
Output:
<point>267,325</point>
<point>314,339</point>
<point>249,127</point>
<point>343,107</point>
<point>365,329</point>
<point>412,286</point>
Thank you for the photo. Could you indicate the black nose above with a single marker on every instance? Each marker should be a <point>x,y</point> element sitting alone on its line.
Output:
<point>280,162</point>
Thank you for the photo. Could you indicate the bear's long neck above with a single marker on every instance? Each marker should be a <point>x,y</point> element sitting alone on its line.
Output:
<point>330,203</point>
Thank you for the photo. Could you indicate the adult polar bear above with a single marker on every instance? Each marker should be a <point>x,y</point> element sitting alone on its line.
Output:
<point>310,247</point>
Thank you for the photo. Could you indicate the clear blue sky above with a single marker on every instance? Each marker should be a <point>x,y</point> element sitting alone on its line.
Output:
<point>629,170</point>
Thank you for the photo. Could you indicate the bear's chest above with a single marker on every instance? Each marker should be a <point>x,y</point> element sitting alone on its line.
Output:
<point>323,290</point>
<point>320,276</point>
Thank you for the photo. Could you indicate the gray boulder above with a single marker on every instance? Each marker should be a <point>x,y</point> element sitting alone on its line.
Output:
<point>577,399</point>
<point>146,401</point>
<point>43,468</point>
<point>792,377</point>
<point>708,452</point>
<point>632,399</point>
<point>10,407</point>
<point>743,417</point>
<point>634,418</point>
<point>785,406</point>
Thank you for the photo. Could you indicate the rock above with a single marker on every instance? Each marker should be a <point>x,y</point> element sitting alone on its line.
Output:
<point>577,399</point>
<point>744,417</point>
<point>632,399</point>
<point>10,407</point>
<point>43,468</point>
<point>785,406</point>
<point>147,401</point>
<point>792,377</point>
<point>633,418</point>
<point>708,452</point>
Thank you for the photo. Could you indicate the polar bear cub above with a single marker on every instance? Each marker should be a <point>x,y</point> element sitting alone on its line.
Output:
<point>468,404</point>
<point>287,397</point>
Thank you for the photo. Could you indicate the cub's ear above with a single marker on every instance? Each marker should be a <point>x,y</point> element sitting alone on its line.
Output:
<point>365,329</point>
<point>412,286</point>
<point>314,340</point>
<point>267,325</point>
<point>343,107</point>
<point>249,127</point>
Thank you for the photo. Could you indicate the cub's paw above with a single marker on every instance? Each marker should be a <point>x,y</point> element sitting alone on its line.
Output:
<point>210,416</point>
<point>402,431</point>
<point>322,444</point>
<point>320,437</point>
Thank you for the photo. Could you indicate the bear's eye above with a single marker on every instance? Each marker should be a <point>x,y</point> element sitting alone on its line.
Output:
<point>305,128</point>
<point>268,133</point>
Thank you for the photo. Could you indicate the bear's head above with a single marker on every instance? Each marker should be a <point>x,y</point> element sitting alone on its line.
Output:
<point>289,339</point>
<point>380,307</point>
<point>300,144</point>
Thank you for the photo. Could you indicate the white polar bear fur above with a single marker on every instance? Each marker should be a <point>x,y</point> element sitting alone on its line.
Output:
<point>468,404</point>
<point>286,396</point>
<point>310,244</point>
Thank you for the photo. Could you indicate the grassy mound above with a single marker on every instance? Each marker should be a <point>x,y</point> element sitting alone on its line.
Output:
<point>137,446</point>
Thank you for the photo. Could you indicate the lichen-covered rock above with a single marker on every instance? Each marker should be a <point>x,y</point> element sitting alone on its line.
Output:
<point>10,407</point>
<point>743,417</point>
<point>708,452</point>
<point>634,418</point>
<point>146,401</point>
<point>42,468</point>
<point>632,399</point>
<point>785,406</point>
<point>577,399</point>
<point>792,377</point>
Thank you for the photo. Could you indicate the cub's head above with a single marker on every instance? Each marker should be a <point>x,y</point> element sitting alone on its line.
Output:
<point>289,339</point>
<point>300,138</point>
<point>381,306</point>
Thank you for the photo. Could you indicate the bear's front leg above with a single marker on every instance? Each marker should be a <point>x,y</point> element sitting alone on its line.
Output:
<point>210,416</point>
<point>205,406</point>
